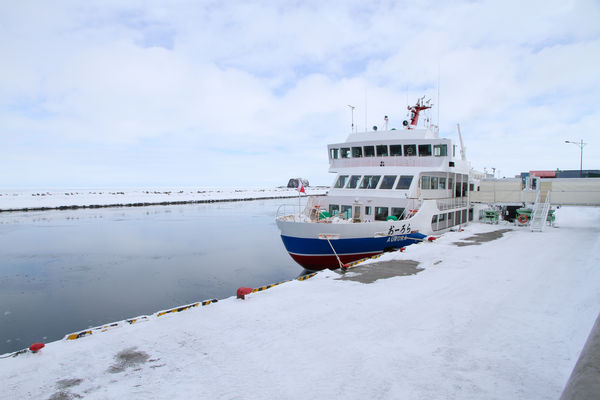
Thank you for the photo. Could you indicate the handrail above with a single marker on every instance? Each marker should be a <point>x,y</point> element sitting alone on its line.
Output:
<point>451,202</point>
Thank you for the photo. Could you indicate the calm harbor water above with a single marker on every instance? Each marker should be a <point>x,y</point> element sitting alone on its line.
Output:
<point>64,271</point>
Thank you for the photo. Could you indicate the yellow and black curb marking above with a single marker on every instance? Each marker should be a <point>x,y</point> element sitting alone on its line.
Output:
<point>105,328</point>
<point>183,308</point>
<point>302,278</point>
<point>362,260</point>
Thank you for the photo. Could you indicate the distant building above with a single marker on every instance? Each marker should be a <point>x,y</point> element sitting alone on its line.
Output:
<point>528,181</point>
<point>293,183</point>
<point>571,173</point>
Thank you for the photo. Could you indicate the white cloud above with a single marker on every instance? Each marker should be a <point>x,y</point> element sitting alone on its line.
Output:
<point>249,92</point>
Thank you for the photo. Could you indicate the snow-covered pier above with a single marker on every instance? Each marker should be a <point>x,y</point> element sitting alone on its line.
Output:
<point>474,318</point>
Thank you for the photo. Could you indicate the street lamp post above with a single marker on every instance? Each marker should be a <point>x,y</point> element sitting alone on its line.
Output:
<point>580,144</point>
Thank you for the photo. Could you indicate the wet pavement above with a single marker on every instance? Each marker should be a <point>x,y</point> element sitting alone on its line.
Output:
<point>369,273</point>
<point>479,238</point>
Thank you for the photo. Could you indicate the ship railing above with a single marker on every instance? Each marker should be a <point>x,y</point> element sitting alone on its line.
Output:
<point>291,212</point>
<point>307,209</point>
<point>452,202</point>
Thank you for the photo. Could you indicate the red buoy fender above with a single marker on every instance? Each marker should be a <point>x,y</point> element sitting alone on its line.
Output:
<point>36,347</point>
<point>523,219</point>
<point>242,292</point>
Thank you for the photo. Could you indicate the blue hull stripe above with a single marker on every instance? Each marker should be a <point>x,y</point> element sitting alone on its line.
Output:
<point>309,246</point>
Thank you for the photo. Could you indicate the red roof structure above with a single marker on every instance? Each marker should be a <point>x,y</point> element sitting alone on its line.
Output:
<point>543,174</point>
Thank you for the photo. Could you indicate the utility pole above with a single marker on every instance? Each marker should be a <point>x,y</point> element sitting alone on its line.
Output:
<point>580,144</point>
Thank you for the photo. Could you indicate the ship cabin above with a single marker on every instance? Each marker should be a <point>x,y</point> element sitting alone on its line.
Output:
<point>387,174</point>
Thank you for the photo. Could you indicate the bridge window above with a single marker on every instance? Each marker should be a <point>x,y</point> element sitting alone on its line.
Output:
<point>442,183</point>
<point>434,182</point>
<point>369,181</point>
<point>425,182</point>
<point>440,150</point>
<point>395,149</point>
<point>424,150</point>
<point>382,150</point>
<point>369,151</point>
<point>353,181</point>
<point>368,210</point>
<point>334,154</point>
<point>341,181</point>
<point>347,212</point>
<point>404,182</point>
<point>334,209</point>
<point>398,212</point>
<point>410,150</point>
<point>356,152</point>
<point>388,182</point>
<point>345,152</point>
<point>381,213</point>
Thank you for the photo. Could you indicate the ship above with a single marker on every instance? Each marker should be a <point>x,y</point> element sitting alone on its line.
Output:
<point>392,188</point>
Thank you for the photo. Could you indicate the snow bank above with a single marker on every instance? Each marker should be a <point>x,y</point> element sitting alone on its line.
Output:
<point>502,319</point>
<point>19,200</point>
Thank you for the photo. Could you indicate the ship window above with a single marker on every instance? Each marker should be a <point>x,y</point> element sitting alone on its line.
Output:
<point>347,212</point>
<point>398,212</point>
<point>353,182</point>
<point>434,182</point>
<point>442,217</point>
<point>369,181</point>
<point>388,182</point>
<point>450,215</point>
<point>395,149</point>
<point>382,150</point>
<point>440,150</point>
<point>450,184</point>
<point>442,183</point>
<point>471,187</point>
<point>433,219</point>
<point>345,152</point>
<point>410,150</point>
<point>334,154</point>
<point>369,151</point>
<point>356,152</point>
<point>341,181</point>
<point>367,210</point>
<point>381,213</point>
<point>424,150</point>
<point>404,182</point>
<point>425,182</point>
<point>334,209</point>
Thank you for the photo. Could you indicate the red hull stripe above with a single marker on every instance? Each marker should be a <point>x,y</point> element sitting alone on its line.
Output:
<point>319,262</point>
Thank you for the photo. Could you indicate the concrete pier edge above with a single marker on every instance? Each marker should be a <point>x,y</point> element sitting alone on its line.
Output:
<point>584,382</point>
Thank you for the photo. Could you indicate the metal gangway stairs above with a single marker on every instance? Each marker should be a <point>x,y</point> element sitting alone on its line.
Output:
<point>539,213</point>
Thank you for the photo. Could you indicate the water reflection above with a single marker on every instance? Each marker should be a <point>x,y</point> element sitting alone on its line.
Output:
<point>63,271</point>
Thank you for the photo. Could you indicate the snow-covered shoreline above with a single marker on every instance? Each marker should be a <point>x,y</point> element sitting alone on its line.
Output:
<point>500,319</point>
<point>32,200</point>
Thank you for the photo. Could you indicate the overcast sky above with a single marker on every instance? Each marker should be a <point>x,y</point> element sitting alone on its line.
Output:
<point>248,94</point>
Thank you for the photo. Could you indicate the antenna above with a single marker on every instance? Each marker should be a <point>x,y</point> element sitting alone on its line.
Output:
<point>438,99</point>
<point>365,108</point>
<point>463,156</point>
<point>352,111</point>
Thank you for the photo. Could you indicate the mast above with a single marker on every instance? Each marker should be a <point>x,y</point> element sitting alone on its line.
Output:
<point>416,110</point>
